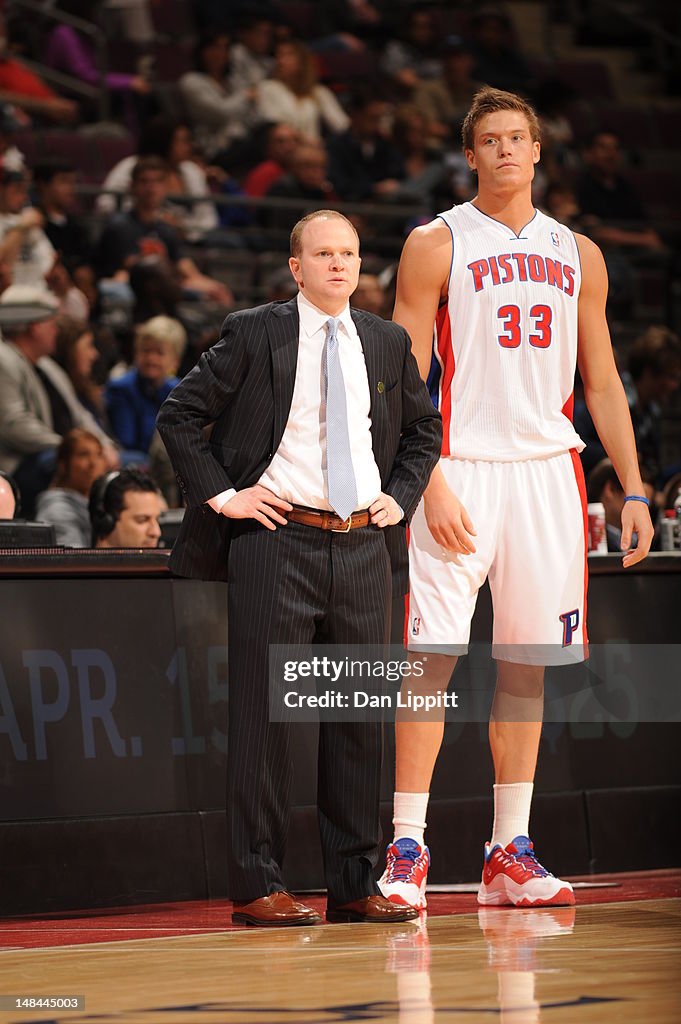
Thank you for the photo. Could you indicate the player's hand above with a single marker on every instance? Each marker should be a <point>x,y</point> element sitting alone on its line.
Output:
<point>636,519</point>
<point>448,520</point>
<point>385,511</point>
<point>258,503</point>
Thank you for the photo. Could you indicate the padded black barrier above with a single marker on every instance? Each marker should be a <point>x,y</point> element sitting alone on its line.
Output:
<point>113,710</point>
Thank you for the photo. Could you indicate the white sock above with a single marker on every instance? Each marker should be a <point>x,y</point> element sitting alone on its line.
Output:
<point>409,815</point>
<point>511,812</point>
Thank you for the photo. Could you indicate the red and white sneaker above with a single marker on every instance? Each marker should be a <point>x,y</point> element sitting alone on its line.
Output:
<point>406,873</point>
<point>515,876</point>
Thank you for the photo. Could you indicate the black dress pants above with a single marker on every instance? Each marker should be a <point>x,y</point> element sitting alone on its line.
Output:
<point>288,587</point>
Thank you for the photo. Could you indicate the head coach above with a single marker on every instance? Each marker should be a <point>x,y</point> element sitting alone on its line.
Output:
<point>323,440</point>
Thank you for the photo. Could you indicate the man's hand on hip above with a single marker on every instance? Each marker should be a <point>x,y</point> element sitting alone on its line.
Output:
<point>385,511</point>
<point>257,503</point>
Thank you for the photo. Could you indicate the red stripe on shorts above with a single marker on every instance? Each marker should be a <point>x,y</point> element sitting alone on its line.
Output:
<point>406,600</point>
<point>581,486</point>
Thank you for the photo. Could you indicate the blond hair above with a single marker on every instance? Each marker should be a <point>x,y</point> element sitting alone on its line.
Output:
<point>163,329</point>
<point>296,241</point>
<point>304,79</point>
<point>489,101</point>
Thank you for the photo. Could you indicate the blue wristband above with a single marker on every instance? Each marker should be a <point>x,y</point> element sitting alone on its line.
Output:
<point>637,497</point>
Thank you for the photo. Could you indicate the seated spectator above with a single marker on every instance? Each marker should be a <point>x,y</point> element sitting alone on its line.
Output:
<point>161,470</point>
<point>25,250</point>
<point>55,182</point>
<point>560,202</point>
<point>73,53</point>
<point>281,143</point>
<point>80,461</point>
<point>142,236</point>
<point>498,61</point>
<point>125,508</point>
<point>425,179</point>
<point>280,285</point>
<point>133,400</point>
<point>414,58</point>
<point>603,486</point>
<point>444,101</point>
<point>370,295</point>
<point>77,355</point>
<point>155,289</point>
<point>654,377</point>
<point>251,58</point>
<point>11,158</point>
<point>606,197</point>
<point>22,88</point>
<point>363,163</point>
<point>307,181</point>
<point>24,246</point>
<point>293,94</point>
<point>558,150</point>
<point>170,140</point>
<point>10,504</point>
<point>218,114</point>
<point>38,405</point>
<point>463,183</point>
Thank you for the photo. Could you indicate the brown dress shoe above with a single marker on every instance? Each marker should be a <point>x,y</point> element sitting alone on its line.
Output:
<point>372,909</point>
<point>279,909</point>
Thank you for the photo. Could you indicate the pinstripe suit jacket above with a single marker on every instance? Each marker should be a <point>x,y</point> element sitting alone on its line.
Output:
<point>244,387</point>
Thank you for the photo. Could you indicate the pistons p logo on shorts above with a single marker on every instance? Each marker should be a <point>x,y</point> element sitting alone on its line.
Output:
<point>570,622</point>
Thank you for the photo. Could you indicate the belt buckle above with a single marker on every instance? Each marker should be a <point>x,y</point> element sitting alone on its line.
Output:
<point>344,528</point>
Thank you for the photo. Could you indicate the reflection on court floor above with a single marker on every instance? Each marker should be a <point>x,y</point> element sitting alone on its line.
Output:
<point>613,962</point>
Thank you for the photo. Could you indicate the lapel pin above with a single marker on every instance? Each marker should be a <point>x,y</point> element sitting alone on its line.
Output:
<point>380,387</point>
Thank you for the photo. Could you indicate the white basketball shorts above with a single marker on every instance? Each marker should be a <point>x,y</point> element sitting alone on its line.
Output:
<point>531,528</point>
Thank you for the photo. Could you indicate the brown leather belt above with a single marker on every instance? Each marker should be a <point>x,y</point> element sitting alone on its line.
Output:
<point>323,520</point>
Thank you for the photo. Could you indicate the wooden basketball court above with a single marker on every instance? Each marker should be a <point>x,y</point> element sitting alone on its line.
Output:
<point>616,957</point>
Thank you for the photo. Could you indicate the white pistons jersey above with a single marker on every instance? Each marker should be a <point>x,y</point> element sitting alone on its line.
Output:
<point>505,344</point>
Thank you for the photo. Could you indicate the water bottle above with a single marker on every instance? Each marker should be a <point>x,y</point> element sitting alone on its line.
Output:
<point>677,530</point>
<point>597,536</point>
<point>668,530</point>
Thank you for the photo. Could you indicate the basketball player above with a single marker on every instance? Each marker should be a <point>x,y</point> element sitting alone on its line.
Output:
<point>517,301</point>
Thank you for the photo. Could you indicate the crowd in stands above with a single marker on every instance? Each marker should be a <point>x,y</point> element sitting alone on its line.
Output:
<point>109,293</point>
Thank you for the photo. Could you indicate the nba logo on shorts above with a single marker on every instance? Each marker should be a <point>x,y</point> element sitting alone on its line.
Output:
<point>555,238</point>
<point>416,625</point>
<point>570,622</point>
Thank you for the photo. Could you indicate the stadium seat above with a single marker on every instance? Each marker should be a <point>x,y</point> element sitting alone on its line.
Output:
<point>589,78</point>
<point>632,124</point>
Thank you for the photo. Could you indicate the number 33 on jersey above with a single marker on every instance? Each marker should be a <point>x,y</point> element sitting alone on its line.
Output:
<point>505,344</point>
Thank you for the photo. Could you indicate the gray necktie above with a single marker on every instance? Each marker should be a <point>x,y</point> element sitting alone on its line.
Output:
<point>340,474</point>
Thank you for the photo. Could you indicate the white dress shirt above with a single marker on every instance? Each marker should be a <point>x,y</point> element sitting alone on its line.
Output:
<point>297,472</point>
